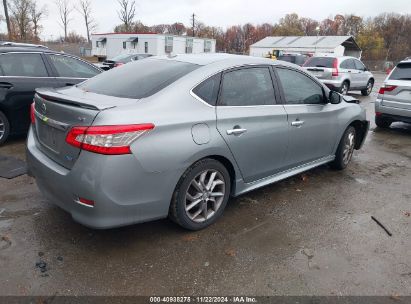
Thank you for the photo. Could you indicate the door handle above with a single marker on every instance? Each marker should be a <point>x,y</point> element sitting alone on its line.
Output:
<point>236,131</point>
<point>6,85</point>
<point>297,123</point>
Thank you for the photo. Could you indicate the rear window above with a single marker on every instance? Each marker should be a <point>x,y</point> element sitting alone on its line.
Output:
<point>401,72</point>
<point>287,58</point>
<point>320,62</point>
<point>138,79</point>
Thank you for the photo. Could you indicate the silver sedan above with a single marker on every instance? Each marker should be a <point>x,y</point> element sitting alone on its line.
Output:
<point>177,136</point>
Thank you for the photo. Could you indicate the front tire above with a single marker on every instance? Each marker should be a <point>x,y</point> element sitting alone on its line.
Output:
<point>201,195</point>
<point>4,128</point>
<point>367,91</point>
<point>345,149</point>
<point>382,122</point>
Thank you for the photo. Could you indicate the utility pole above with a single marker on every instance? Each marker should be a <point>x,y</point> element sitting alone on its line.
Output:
<point>6,14</point>
<point>194,23</point>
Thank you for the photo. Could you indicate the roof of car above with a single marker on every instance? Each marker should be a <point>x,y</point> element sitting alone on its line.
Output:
<point>210,58</point>
<point>9,49</point>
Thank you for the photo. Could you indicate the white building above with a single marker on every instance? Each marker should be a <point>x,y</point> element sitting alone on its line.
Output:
<point>113,44</point>
<point>308,45</point>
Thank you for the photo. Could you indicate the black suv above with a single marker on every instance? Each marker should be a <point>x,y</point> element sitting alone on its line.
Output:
<point>22,70</point>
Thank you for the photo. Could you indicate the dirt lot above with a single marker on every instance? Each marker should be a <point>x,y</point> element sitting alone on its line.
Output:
<point>308,235</point>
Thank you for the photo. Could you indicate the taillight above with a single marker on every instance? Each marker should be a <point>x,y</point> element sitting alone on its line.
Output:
<point>32,115</point>
<point>335,67</point>
<point>108,140</point>
<point>118,64</point>
<point>386,88</point>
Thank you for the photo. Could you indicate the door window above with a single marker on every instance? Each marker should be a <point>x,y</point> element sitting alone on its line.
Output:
<point>27,65</point>
<point>299,88</point>
<point>247,87</point>
<point>72,68</point>
<point>348,64</point>
<point>359,65</point>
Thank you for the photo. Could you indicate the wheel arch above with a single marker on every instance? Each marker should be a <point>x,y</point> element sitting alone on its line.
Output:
<point>228,165</point>
<point>361,129</point>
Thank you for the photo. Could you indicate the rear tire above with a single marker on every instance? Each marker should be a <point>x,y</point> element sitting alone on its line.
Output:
<point>382,122</point>
<point>345,87</point>
<point>4,128</point>
<point>201,195</point>
<point>345,149</point>
<point>367,91</point>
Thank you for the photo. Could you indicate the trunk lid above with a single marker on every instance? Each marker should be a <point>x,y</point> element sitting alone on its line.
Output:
<point>400,97</point>
<point>57,111</point>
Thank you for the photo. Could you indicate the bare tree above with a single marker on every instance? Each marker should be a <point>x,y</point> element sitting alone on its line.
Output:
<point>85,10</point>
<point>127,12</point>
<point>65,10</point>
<point>37,14</point>
<point>6,15</point>
<point>20,11</point>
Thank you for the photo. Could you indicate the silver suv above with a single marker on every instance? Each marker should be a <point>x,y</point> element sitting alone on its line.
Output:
<point>394,99</point>
<point>341,74</point>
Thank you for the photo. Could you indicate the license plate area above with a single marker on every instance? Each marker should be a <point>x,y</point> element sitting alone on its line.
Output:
<point>49,136</point>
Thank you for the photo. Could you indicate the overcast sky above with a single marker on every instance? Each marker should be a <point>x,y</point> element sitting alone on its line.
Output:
<point>217,12</point>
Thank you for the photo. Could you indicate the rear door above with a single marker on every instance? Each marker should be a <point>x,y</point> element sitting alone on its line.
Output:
<point>310,117</point>
<point>354,74</point>
<point>362,74</point>
<point>69,70</point>
<point>252,123</point>
<point>21,73</point>
<point>399,83</point>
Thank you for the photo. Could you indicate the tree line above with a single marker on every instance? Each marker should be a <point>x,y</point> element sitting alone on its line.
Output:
<point>384,37</point>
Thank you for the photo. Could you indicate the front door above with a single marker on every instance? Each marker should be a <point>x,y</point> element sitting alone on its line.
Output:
<point>310,118</point>
<point>252,124</point>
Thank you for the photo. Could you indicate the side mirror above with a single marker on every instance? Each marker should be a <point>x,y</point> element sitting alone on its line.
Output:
<point>335,98</point>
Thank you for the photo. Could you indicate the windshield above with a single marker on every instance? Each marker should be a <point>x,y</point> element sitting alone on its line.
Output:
<point>402,72</point>
<point>138,79</point>
<point>320,62</point>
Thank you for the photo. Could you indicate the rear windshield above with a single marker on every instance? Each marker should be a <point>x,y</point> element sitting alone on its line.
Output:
<point>320,62</point>
<point>287,58</point>
<point>401,72</point>
<point>138,79</point>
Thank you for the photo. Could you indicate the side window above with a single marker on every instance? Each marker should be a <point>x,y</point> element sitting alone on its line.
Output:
<point>359,65</point>
<point>28,65</point>
<point>299,89</point>
<point>247,87</point>
<point>208,89</point>
<point>344,64</point>
<point>71,67</point>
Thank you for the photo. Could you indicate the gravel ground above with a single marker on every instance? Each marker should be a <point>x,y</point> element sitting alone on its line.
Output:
<point>308,235</point>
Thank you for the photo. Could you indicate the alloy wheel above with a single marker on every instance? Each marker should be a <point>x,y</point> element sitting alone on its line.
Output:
<point>2,128</point>
<point>369,88</point>
<point>205,195</point>
<point>349,147</point>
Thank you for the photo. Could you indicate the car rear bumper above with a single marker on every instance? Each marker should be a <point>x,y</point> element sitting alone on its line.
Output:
<point>392,113</point>
<point>123,193</point>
